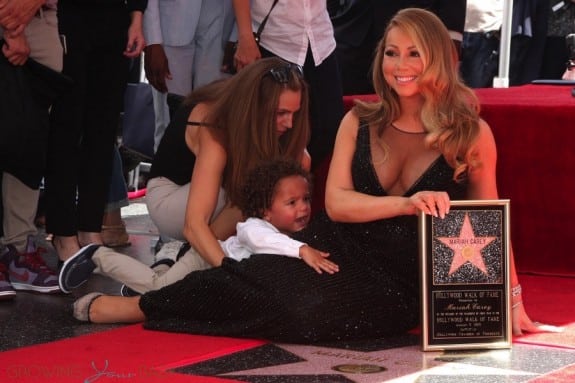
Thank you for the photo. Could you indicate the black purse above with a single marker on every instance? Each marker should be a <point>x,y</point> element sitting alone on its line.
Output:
<point>228,65</point>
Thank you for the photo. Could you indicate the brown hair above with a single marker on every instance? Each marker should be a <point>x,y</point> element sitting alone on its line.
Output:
<point>243,116</point>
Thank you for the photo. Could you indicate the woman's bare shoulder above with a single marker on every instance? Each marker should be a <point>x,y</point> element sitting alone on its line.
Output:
<point>350,123</point>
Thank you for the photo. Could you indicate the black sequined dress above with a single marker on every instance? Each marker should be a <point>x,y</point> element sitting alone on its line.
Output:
<point>279,298</point>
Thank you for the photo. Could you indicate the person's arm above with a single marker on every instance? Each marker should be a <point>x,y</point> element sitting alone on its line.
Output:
<point>260,237</point>
<point>16,14</point>
<point>482,186</point>
<point>136,42</point>
<point>204,188</point>
<point>16,48</point>
<point>155,60</point>
<point>248,50</point>
<point>344,204</point>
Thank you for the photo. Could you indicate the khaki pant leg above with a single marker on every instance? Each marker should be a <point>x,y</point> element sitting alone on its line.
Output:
<point>124,269</point>
<point>20,203</point>
<point>190,261</point>
<point>44,40</point>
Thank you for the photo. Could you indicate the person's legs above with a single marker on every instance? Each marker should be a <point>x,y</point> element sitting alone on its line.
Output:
<point>140,277</point>
<point>209,48</point>
<point>125,269</point>
<point>108,309</point>
<point>166,203</point>
<point>161,116</point>
<point>180,59</point>
<point>20,203</point>
<point>114,232</point>
<point>136,275</point>
<point>63,144</point>
<point>85,123</point>
<point>479,59</point>
<point>42,36</point>
<point>326,106</point>
<point>21,259</point>
<point>105,91</point>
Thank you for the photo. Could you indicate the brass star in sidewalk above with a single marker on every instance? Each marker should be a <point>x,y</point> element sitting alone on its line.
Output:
<point>467,247</point>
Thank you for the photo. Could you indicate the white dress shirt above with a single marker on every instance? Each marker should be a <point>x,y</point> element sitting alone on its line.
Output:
<point>256,236</point>
<point>292,25</point>
<point>483,16</point>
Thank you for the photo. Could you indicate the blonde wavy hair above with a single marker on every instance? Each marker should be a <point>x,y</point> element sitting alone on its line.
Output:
<point>450,112</point>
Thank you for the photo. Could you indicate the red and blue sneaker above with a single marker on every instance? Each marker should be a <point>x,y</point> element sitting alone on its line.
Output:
<point>28,271</point>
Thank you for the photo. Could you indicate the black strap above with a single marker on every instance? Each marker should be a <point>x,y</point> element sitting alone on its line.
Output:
<point>196,123</point>
<point>264,21</point>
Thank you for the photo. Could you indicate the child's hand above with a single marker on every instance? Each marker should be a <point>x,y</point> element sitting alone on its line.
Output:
<point>317,260</point>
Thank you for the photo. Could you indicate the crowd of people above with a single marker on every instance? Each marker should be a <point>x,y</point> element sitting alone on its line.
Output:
<point>230,174</point>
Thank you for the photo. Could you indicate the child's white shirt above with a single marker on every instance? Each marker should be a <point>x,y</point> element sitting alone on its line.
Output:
<point>257,236</point>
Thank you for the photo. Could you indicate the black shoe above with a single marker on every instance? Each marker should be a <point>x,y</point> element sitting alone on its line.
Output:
<point>77,269</point>
<point>125,291</point>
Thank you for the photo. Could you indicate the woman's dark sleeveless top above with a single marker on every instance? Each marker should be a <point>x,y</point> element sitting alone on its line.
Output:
<point>173,159</point>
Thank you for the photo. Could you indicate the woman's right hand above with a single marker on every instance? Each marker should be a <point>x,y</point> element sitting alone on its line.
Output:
<point>247,52</point>
<point>435,203</point>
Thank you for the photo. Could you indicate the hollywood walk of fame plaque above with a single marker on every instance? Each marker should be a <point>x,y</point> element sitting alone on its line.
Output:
<point>465,277</point>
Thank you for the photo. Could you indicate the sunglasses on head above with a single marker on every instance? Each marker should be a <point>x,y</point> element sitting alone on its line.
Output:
<point>282,74</point>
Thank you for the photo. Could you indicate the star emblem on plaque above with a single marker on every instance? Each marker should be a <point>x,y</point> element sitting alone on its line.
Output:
<point>467,247</point>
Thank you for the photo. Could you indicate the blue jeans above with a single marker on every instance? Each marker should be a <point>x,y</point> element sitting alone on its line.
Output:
<point>479,59</point>
<point>118,192</point>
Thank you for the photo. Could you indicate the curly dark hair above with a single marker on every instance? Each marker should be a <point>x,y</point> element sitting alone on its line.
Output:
<point>260,186</point>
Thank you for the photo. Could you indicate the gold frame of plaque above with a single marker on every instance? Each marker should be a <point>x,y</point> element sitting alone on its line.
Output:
<point>465,284</point>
